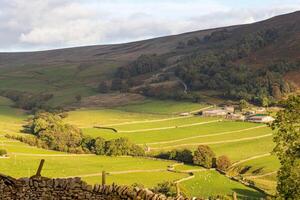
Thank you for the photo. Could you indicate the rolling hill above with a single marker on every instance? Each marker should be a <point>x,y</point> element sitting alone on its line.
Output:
<point>175,61</point>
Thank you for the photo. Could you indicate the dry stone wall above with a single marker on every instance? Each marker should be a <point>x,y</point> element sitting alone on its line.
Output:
<point>43,188</point>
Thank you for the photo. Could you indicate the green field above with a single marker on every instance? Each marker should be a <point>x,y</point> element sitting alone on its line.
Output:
<point>210,183</point>
<point>160,130</point>
<point>162,107</point>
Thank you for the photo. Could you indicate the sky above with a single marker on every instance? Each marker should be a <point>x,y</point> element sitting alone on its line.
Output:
<point>32,25</point>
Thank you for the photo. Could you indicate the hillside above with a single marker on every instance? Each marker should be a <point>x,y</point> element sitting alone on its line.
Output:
<point>179,61</point>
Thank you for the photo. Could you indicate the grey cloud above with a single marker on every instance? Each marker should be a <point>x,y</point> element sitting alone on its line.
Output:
<point>44,24</point>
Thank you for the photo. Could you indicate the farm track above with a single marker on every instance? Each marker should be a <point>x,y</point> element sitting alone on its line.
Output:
<point>169,127</point>
<point>208,143</point>
<point>207,135</point>
<point>250,158</point>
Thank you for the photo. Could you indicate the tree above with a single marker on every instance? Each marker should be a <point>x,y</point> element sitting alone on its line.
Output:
<point>223,163</point>
<point>54,133</point>
<point>116,84</point>
<point>78,98</point>
<point>103,87</point>
<point>287,148</point>
<point>243,104</point>
<point>204,156</point>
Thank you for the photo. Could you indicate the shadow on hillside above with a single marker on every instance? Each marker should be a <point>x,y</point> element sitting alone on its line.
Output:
<point>248,194</point>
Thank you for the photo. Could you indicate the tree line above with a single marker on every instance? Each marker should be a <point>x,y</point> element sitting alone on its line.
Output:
<point>49,131</point>
<point>202,156</point>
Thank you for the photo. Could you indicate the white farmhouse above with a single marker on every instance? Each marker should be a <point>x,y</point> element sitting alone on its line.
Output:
<point>261,119</point>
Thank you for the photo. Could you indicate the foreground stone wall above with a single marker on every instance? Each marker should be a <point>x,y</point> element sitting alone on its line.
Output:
<point>72,188</point>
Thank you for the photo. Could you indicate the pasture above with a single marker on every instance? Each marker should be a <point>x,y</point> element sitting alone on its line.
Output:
<point>160,131</point>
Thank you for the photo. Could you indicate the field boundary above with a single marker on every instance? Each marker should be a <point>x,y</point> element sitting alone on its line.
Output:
<point>169,127</point>
<point>156,120</point>
<point>251,158</point>
<point>217,142</point>
<point>52,155</point>
<point>261,175</point>
<point>207,135</point>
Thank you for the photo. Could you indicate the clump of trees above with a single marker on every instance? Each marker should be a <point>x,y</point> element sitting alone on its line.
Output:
<point>216,70</point>
<point>181,155</point>
<point>114,147</point>
<point>202,156</point>
<point>26,100</point>
<point>50,132</point>
<point>54,133</point>
<point>142,65</point>
<point>287,148</point>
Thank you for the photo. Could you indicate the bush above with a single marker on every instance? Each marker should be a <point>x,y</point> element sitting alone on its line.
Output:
<point>223,163</point>
<point>183,155</point>
<point>167,188</point>
<point>204,156</point>
<point>122,146</point>
<point>3,152</point>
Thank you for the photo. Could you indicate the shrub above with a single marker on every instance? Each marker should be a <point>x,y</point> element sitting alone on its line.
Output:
<point>122,146</point>
<point>167,188</point>
<point>3,152</point>
<point>204,156</point>
<point>223,163</point>
<point>183,155</point>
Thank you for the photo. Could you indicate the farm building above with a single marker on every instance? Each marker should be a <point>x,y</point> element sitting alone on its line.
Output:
<point>236,117</point>
<point>260,119</point>
<point>214,113</point>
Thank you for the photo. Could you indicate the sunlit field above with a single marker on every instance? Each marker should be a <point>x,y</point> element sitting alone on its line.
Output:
<point>157,130</point>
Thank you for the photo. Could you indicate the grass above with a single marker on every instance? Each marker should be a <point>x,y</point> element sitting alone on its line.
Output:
<point>211,183</point>
<point>162,107</point>
<point>24,159</point>
<point>245,149</point>
<point>63,166</point>
<point>147,179</point>
<point>172,134</point>
<point>92,117</point>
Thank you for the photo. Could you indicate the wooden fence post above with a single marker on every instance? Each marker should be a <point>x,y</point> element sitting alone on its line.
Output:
<point>234,196</point>
<point>38,172</point>
<point>103,177</point>
<point>177,189</point>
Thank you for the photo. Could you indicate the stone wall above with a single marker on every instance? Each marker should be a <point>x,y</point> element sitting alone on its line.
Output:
<point>38,187</point>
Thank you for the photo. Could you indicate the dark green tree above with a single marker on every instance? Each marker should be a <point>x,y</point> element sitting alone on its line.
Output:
<point>287,149</point>
<point>204,156</point>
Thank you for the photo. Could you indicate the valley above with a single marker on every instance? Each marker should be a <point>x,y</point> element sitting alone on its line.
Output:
<point>246,144</point>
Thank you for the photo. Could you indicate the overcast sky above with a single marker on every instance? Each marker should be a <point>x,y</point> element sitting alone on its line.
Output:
<point>30,25</point>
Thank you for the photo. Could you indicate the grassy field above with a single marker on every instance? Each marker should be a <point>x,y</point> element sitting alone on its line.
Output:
<point>161,131</point>
<point>206,183</point>
<point>162,107</point>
